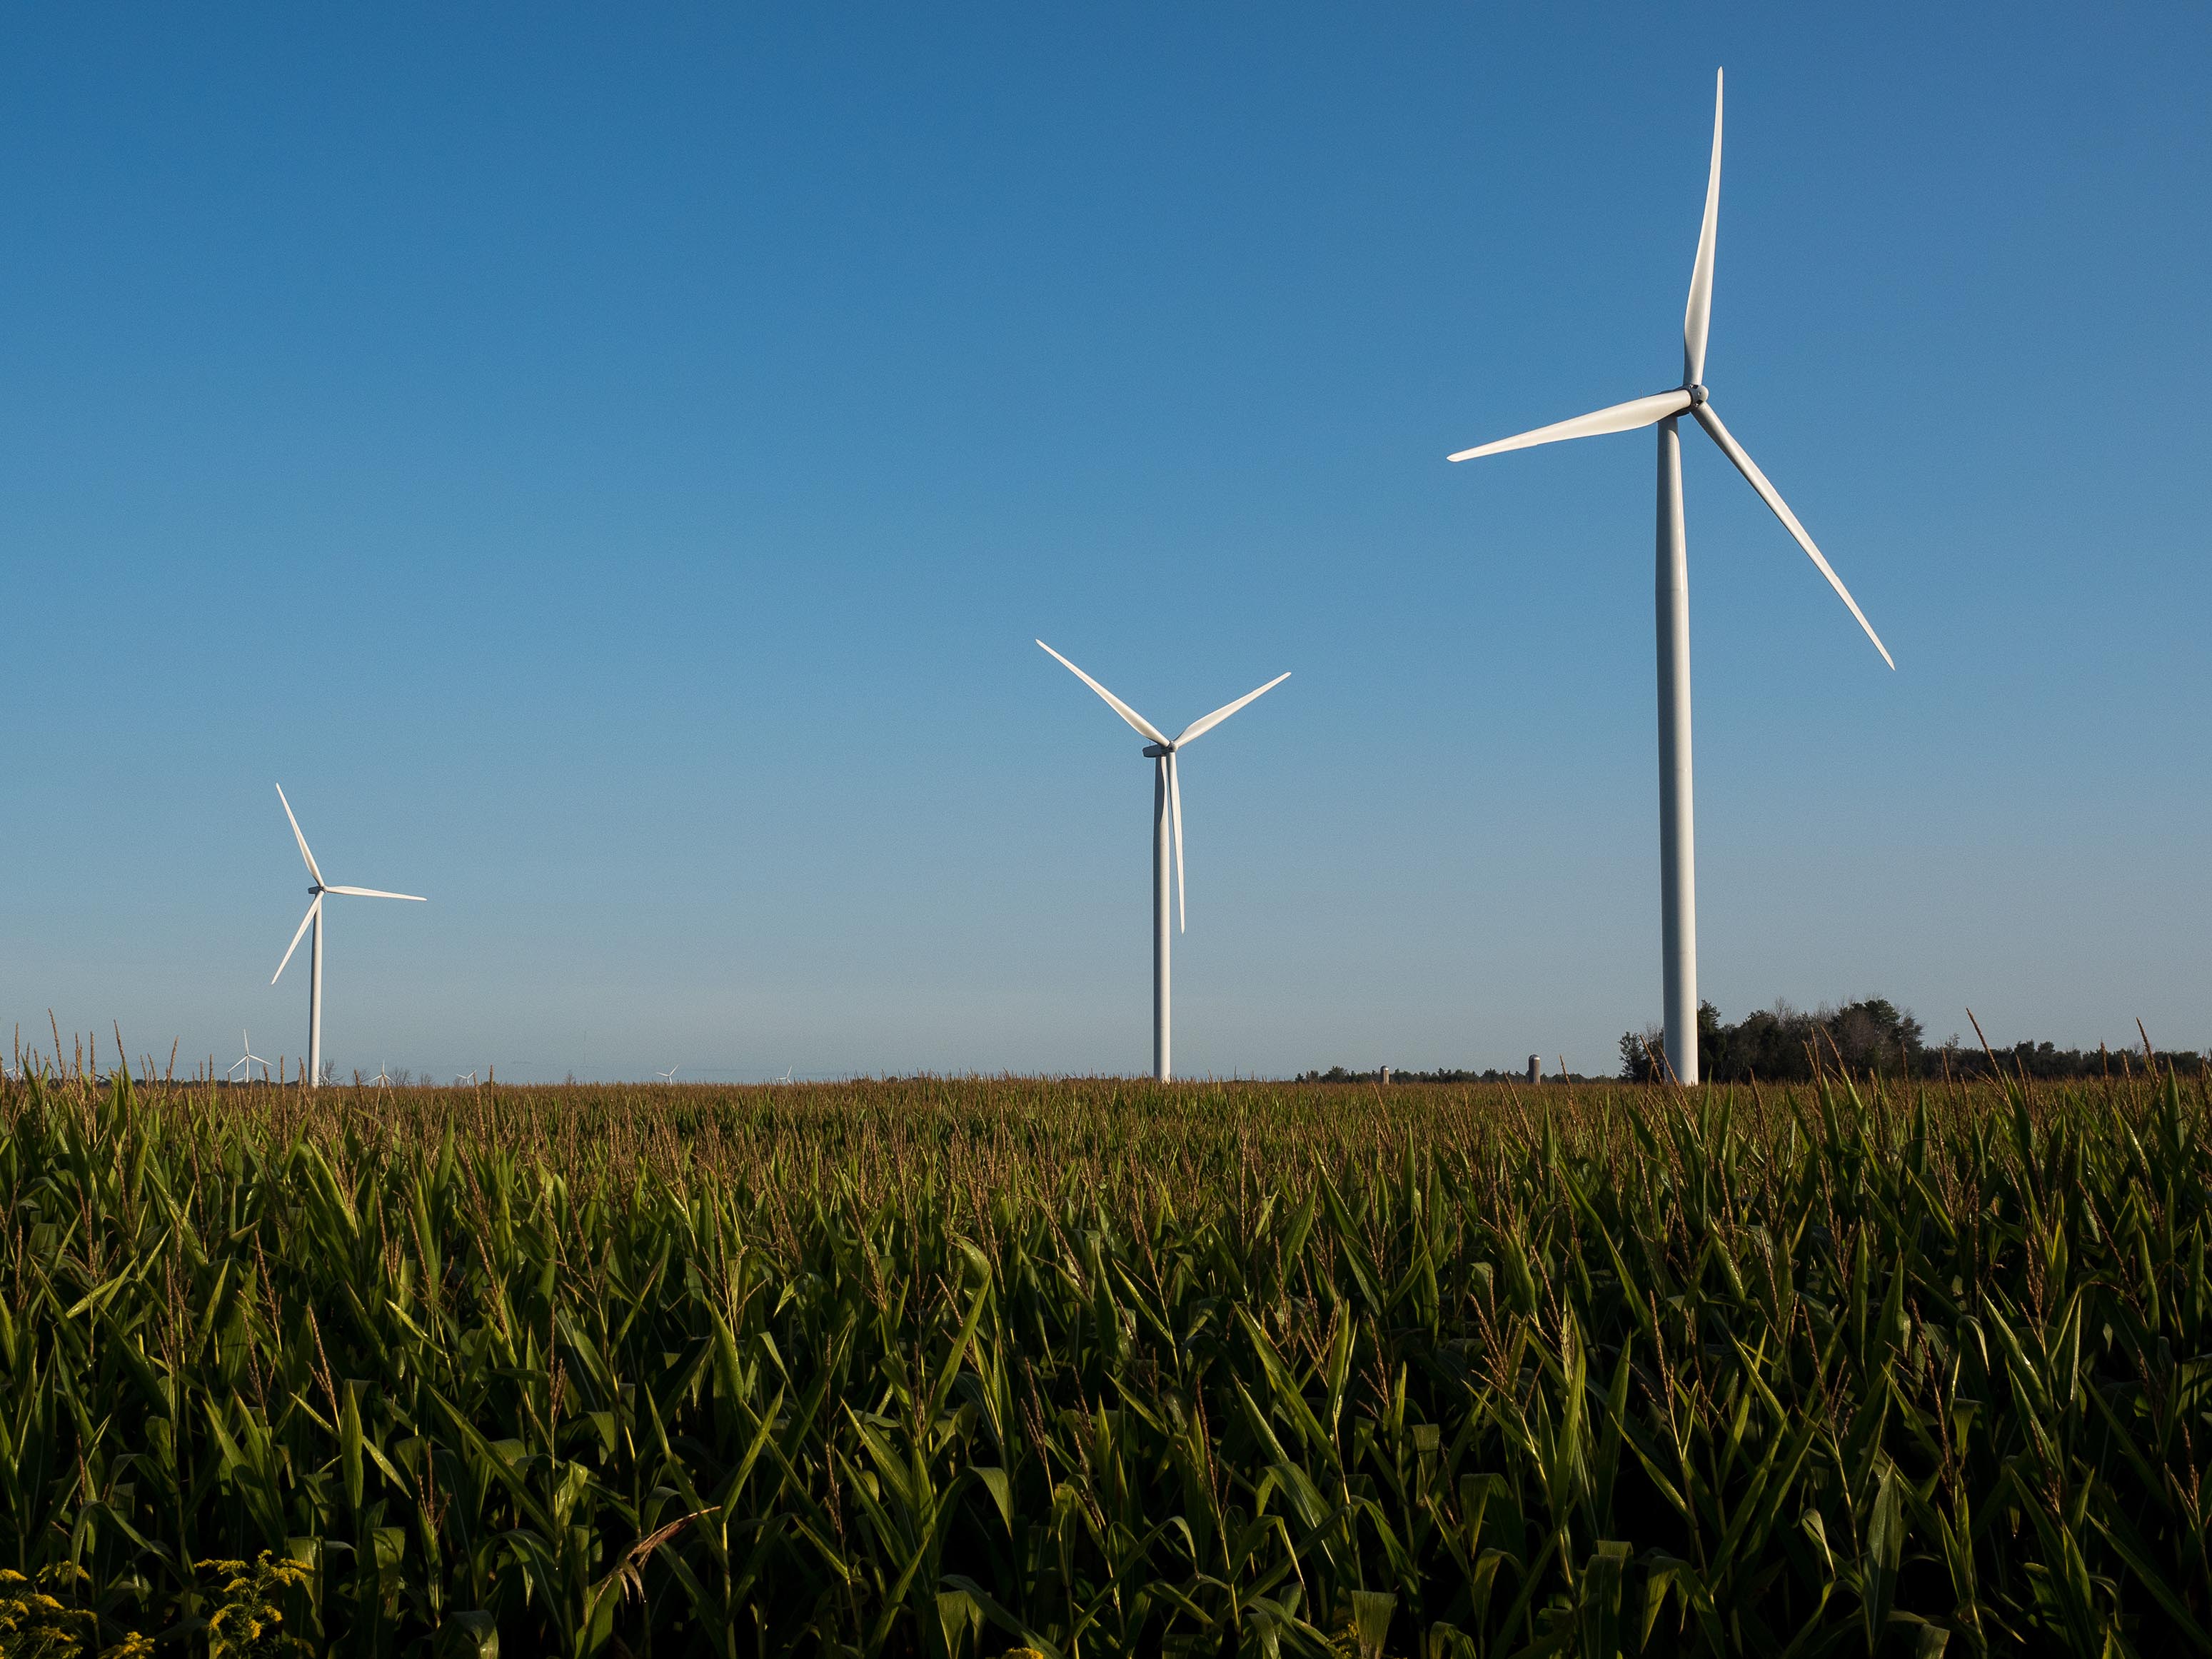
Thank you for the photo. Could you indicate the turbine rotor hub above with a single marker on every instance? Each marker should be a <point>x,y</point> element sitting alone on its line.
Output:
<point>1154,750</point>
<point>1698,394</point>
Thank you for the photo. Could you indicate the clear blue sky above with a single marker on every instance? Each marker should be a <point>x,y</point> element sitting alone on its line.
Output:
<point>610,466</point>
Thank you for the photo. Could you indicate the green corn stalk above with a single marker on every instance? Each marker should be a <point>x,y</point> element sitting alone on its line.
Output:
<point>944,1368</point>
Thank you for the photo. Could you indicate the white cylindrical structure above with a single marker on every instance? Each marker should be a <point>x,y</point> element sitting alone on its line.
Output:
<point>1162,855</point>
<point>1678,856</point>
<point>315,1004</point>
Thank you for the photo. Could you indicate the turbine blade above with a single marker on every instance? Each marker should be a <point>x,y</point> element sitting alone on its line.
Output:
<point>314,909</point>
<point>1175,812</point>
<point>1620,417</point>
<point>1720,435</point>
<point>1698,316</point>
<point>301,839</point>
<point>1198,728</point>
<point>371,892</point>
<point>1143,726</point>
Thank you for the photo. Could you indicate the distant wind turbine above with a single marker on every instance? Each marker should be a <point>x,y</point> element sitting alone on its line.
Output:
<point>1678,881</point>
<point>1167,817</point>
<point>668,1076</point>
<point>249,1059</point>
<point>314,918</point>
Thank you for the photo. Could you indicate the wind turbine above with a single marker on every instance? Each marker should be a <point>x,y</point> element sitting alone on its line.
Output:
<point>1166,813</point>
<point>1678,881</point>
<point>668,1076</point>
<point>314,918</point>
<point>249,1059</point>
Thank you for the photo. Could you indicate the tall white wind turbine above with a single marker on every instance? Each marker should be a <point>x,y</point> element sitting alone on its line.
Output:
<point>248,1061</point>
<point>1678,884</point>
<point>314,918</point>
<point>1167,819</point>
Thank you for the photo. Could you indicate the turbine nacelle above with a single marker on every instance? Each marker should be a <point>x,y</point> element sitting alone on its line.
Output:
<point>315,893</point>
<point>1692,398</point>
<point>1163,748</point>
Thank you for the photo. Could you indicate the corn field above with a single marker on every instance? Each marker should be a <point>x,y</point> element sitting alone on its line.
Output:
<point>954,1369</point>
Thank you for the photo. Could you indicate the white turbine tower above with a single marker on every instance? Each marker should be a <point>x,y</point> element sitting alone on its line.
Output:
<point>1678,885</point>
<point>249,1059</point>
<point>314,918</point>
<point>1167,817</point>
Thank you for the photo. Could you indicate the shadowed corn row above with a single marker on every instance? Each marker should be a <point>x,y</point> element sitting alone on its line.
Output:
<point>951,1368</point>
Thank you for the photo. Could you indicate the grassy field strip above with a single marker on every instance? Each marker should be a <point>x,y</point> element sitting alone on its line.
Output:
<point>956,1367</point>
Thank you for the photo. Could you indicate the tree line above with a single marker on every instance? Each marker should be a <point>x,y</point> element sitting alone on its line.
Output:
<point>1870,1037</point>
<point>1393,1074</point>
